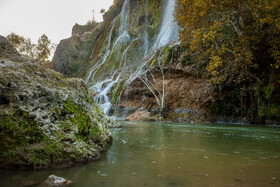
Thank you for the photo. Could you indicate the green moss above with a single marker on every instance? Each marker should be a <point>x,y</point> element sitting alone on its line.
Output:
<point>45,153</point>
<point>70,106</point>
<point>87,129</point>
<point>63,85</point>
<point>17,131</point>
<point>87,70</point>
<point>155,11</point>
<point>177,116</point>
<point>23,126</point>
<point>89,100</point>
<point>73,68</point>
<point>117,91</point>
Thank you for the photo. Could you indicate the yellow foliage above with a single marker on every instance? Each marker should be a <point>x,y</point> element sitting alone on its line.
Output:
<point>227,34</point>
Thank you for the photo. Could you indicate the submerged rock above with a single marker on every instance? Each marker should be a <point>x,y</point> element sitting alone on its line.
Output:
<point>46,120</point>
<point>57,181</point>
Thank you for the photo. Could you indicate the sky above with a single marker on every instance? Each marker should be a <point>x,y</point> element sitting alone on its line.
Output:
<point>55,18</point>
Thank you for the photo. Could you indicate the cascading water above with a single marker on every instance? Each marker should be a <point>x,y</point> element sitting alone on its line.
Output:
<point>103,88</point>
<point>119,56</point>
<point>169,29</point>
<point>146,36</point>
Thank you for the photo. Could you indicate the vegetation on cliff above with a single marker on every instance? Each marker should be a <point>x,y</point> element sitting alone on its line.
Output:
<point>237,45</point>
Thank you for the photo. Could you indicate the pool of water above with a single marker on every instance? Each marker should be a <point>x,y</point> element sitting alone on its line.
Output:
<point>170,154</point>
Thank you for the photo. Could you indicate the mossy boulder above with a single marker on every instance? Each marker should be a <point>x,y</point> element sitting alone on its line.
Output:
<point>46,120</point>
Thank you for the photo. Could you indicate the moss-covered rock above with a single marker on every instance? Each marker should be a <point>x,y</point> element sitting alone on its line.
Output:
<point>46,120</point>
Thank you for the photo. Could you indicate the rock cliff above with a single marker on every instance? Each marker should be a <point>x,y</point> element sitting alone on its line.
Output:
<point>46,120</point>
<point>71,53</point>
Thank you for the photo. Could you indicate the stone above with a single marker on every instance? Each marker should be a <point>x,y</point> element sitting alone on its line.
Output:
<point>57,181</point>
<point>139,116</point>
<point>71,54</point>
<point>82,29</point>
<point>47,120</point>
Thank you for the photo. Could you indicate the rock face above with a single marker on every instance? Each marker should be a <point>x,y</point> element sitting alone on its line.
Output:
<point>183,90</point>
<point>139,116</point>
<point>7,50</point>
<point>82,29</point>
<point>46,120</point>
<point>71,53</point>
<point>187,95</point>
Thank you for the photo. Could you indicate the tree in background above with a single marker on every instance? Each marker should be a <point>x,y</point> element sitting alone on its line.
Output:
<point>41,51</point>
<point>43,48</point>
<point>238,42</point>
<point>23,45</point>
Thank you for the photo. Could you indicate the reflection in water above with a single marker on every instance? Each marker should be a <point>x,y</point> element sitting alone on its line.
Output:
<point>169,154</point>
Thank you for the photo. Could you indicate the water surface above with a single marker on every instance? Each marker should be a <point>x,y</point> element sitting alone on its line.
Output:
<point>170,154</point>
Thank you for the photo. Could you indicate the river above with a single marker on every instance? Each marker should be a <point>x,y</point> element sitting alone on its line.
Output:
<point>171,154</point>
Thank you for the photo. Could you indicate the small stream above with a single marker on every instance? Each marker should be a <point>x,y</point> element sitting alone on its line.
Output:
<point>171,154</point>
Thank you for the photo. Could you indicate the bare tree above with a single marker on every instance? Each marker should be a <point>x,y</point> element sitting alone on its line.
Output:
<point>152,86</point>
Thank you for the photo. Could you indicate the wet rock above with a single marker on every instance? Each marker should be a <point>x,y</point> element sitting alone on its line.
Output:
<point>57,181</point>
<point>46,120</point>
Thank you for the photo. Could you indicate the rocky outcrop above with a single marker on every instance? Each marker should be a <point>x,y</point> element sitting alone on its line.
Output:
<point>82,29</point>
<point>7,50</point>
<point>70,57</point>
<point>46,119</point>
<point>139,116</point>
<point>183,90</point>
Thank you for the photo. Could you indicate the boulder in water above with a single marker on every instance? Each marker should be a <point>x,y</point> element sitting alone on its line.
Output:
<point>57,181</point>
<point>139,116</point>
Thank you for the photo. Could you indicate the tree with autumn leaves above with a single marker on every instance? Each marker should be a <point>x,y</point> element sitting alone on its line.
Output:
<point>41,51</point>
<point>238,43</point>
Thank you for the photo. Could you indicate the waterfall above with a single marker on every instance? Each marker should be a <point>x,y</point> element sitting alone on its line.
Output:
<point>106,86</point>
<point>169,29</point>
<point>103,88</point>
<point>146,36</point>
<point>129,53</point>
